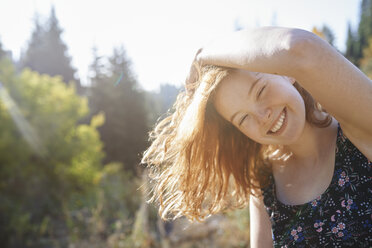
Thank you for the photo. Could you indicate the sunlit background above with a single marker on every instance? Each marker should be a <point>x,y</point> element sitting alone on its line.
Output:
<point>161,36</point>
<point>82,83</point>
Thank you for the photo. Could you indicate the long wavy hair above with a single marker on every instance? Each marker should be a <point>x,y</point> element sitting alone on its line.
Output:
<point>199,163</point>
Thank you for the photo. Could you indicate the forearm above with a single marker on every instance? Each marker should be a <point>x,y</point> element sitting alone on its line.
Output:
<point>270,49</point>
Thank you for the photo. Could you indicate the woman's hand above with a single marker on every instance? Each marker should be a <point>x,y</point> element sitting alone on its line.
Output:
<point>265,49</point>
<point>193,75</point>
<point>268,49</point>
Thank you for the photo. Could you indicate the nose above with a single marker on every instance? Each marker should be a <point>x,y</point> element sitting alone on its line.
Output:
<point>263,115</point>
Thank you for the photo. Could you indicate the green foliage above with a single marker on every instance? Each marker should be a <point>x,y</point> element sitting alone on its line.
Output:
<point>325,33</point>
<point>358,41</point>
<point>115,92</point>
<point>365,25</point>
<point>366,61</point>
<point>2,51</point>
<point>109,222</point>
<point>54,191</point>
<point>328,34</point>
<point>50,163</point>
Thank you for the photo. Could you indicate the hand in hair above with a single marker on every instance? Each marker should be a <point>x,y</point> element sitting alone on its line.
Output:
<point>265,49</point>
<point>331,79</point>
<point>194,72</point>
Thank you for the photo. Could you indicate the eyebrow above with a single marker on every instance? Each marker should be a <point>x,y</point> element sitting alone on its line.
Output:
<point>249,93</point>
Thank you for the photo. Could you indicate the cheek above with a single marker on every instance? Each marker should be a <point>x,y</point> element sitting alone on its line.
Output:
<point>298,103</point>
<point>292,98</point>
<point>251,130</point>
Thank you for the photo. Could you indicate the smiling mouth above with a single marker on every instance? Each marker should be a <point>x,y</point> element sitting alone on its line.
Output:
<point>279,125</point>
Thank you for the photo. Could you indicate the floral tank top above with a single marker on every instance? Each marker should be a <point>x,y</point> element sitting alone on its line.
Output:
<point>340,217</point>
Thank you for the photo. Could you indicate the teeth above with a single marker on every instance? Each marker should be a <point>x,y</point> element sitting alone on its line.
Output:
<point>279,123</point>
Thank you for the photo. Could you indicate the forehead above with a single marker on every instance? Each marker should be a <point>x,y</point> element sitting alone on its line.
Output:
<point>237,79</point>
<point>235,86</point>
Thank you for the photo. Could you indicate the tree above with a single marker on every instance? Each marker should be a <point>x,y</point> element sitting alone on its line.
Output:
<point>328,34</point>
<point>365,26</point>
<point>325,33</point>
<point>46,52</point>
<point>351,52</point>
<point>116,93</point>
<point>366,60</point>
<point>357,42</point>
<point>3,53</point>
<point>50,165</point>
<point>158,103</point>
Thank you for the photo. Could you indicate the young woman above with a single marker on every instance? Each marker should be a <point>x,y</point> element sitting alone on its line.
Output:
<point>250,126</point>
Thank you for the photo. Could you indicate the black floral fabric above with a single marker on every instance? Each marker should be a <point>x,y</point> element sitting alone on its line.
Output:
<point>340,217</point>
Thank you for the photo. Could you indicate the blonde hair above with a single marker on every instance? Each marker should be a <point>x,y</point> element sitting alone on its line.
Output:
<point>199,163</point>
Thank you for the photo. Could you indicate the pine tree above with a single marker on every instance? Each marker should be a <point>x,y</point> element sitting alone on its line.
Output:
<point>46,52</point>
<point>325,33</point>
<point>115,92</point>
<point>365,26</point>
<point>328,34</point>
<point>2,51</point>
<point>97,67</point>
<point>351,46</point>
<point>357,42</point>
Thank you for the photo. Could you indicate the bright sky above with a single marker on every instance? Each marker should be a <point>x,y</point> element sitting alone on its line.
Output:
<point>162,36</point>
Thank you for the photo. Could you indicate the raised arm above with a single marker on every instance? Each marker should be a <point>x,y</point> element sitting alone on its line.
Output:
<point>267,49</point>
<point>342,89</point>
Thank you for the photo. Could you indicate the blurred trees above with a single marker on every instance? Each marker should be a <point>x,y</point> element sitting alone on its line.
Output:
<point>328,34</point>
<point>167,96</point>
<point>54,189</point>
<point>50,164</point>
<point>116,93</point>
<point>358,44</point>
<point>325,33</point>
<point>158,103</point>
<point>46,52</point>
<point>352,46</point>
<point>358,40</point>
<point>366,60</point>
<point>57,186</point>
<point>2,51</point>
<point>364,28</point>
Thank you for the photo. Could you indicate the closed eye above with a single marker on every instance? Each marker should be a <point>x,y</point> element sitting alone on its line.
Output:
<point>242,120</point>
<point>260,92</point>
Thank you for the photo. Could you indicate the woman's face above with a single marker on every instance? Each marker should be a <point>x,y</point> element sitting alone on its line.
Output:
<point>267,108</point>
